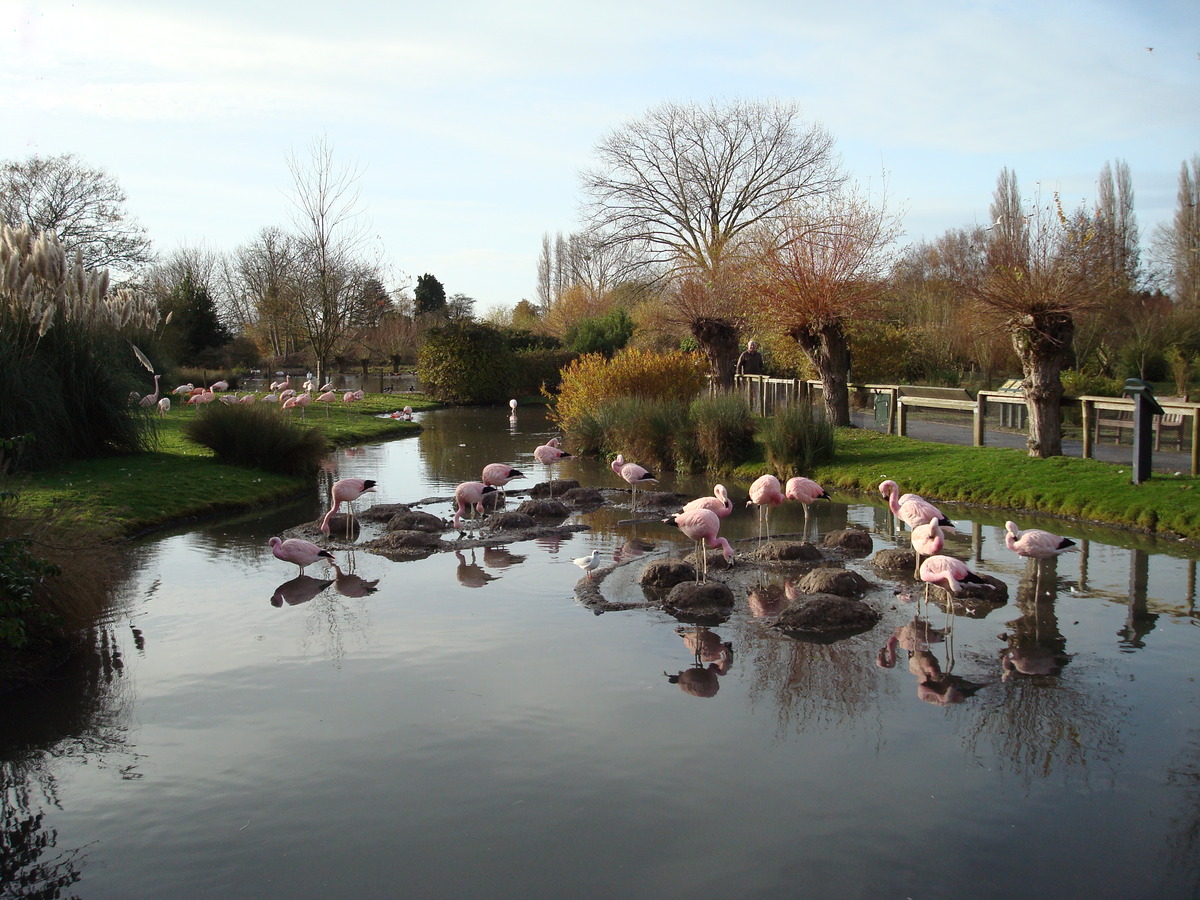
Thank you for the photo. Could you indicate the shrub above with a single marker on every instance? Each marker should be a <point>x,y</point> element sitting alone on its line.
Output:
<point>1077,384</point>
<point>724,429</point>
<point>796,439</point>
<point>593,380</point>
<point>466,362</point>
<point>258,436</point>
<point>602,334</point>
<point>535,370</point>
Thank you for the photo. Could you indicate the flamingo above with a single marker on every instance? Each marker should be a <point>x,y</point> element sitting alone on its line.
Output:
<point>346,490</point>
<point>914,510</point>
<point>184,389</point>
<point>348,397</point>
<point>302,401</point>
<point>1035,544</point>
<point>885,488</point>
<point>633,474</point>
<point>949,573</point>
<point>588,563</point>
<point>805,491</point>
<point>327,397</point>
<point>927,540</point>
<point>271,398</point>
<point>217,386</point>
<point>765,493</point>
<point>200,398</point>
<point>407,411</point>
<point>512,405</point>
<point>500,474</point>
<point>718,503</point>
<point>702,526</point>
<point>247,398</point>
<point>548,454</point>
<point>151,399</point>
<point>469,495</point>
<point>164,406</point>
<point>301,552</point>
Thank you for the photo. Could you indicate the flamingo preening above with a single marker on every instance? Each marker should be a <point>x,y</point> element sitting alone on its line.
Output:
<point>766,494</point>
<point>703,527</point>
<point>948,573</point>
<point>927,540</point>
<point>346,490</point>
<point>298,551</point>
<point>911,509</point>
<point>633,475</point>
<point>719,502</point>
<point>469,496</point>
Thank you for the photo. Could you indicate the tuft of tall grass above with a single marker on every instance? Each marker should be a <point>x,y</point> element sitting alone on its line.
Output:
<point>258,436</point>
<point>796,439</point>
<point>723,427</point>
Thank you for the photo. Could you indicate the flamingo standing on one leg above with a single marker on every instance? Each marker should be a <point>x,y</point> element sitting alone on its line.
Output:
<point>718,503</point>
<point>806,492</point>
<point>469,496</point>
<point>300,552</point>
<point>548,454</point>
<point>702,526</point>
<point>766,494</point>
<point>1036,544</point>
<point>346,490</point>
<point>633,474</point>
<point>927,540</point>
<point>500,474</point>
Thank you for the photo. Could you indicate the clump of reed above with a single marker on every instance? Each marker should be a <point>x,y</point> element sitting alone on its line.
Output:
<point>258,436</point>
<point>795,439</point>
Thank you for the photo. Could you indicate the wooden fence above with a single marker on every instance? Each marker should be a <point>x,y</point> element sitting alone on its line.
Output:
<point>893,402</point>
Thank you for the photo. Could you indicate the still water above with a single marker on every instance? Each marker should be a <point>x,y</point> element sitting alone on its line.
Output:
<point>468,729</point>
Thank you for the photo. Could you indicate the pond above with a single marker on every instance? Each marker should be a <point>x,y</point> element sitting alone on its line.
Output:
<point>469,728</point>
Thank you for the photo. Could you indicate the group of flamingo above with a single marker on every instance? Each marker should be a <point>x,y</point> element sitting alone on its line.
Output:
<point>281,392</point>
<point>927,534</point>
<point>304,553</point>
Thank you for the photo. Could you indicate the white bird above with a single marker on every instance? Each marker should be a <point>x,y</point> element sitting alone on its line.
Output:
<point>588,563</point>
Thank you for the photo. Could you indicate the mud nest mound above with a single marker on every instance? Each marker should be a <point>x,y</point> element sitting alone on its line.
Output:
<point>707,602</point>
<point>851,541</point>
<point>840,582</point>
<point>826,617</point>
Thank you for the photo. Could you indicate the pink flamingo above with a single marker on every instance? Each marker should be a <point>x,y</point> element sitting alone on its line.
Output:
<point>702,526</point>
<point>914,510</point>
<point>184,389</point>
<point>200,398</point>
<point>303,401</point>
<point>469,495</point>
<point>151,399</point>
<point>247,398</point>
<point>500,474</point>
<point>548,454</point>
<point>164,406</point>
<point>885,487</point>
<point>346,490</point>
<point>1033,543</point>
<point>804,491</point>
<point>300,552</point>
<point>348,397</point>
<point>217,386</point>
<point>327,397</point>
<point>949,573</point>
<point>927,540</point>
<point>766,494</point>
<point>633,475</point>
<point>718,503</point>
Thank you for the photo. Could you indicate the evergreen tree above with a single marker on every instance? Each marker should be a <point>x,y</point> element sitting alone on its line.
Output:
<point>429,296</point>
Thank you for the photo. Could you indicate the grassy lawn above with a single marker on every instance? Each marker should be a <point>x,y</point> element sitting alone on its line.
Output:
<point>125,495</point>
<point>1010,479</point>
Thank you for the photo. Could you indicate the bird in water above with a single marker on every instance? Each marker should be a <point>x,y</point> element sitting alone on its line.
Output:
<point>911,509</point>
<point>468,496</point>
<point>548,454</point>
<point>633,475</point>
<point>766,494</point>
<point>298,552</point>
<point>346,490</point>
<point>500,474</point>
<point>1036,544</point>
<point>806,492</point>
<point>703,527</point>
<point>719,502</point>
<point>927,540</point>
<point>588,563</point>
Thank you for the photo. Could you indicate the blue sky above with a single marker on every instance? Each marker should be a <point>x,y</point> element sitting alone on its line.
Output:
<point>471,121</point>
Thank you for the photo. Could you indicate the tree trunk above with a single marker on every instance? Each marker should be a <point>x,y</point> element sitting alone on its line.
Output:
<point>1043,343</point>
<point>829,351</point>
<point>718,338</point>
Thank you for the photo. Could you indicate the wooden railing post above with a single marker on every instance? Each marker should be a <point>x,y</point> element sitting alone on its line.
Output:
<point>1087,414</point>
<point>977,423</point>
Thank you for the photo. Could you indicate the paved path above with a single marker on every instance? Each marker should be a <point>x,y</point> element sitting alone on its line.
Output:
<point>1168,461</point>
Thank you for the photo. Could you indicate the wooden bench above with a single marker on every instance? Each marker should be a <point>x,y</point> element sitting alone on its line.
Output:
<point>922,392</point>
<point>1122,420</point>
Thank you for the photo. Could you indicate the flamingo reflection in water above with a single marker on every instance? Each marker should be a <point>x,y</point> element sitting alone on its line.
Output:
<point>471,574</point>
<point>350,585</point>
<point>713,658</point>
<point>299,590</point>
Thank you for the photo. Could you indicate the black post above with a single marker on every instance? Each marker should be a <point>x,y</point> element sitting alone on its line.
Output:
<point>1145,408</point>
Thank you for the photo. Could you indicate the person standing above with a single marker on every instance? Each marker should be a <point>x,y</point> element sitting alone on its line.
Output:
<point>751,361</point>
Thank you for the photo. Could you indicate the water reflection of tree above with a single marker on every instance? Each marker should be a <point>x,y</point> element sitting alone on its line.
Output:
<point>332,624</point>
<point>1039,721</point>
<point>1184,837</point>
<point>81,713</point>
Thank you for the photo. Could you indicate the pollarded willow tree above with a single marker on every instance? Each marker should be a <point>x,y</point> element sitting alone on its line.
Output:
<point>1041,268</point>
<point>823,264</point>
<point>1177,244</point>
<point>685,183</point>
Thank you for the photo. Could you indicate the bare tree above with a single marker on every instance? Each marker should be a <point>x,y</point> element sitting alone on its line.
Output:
<point>685,183</point>
<point>1039,274</point>
<point>823,265</point>
<point>84,206</point>
<point>1177,245</point>
<point>264,290</point>
<point>326,198</point>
